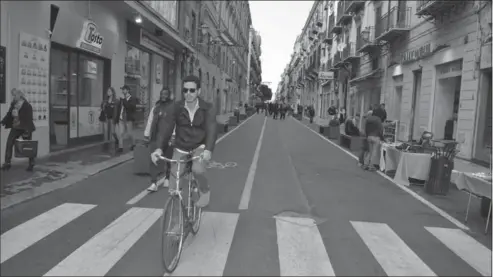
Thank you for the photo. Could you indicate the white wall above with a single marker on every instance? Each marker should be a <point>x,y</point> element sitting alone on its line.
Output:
<point>33,17</point>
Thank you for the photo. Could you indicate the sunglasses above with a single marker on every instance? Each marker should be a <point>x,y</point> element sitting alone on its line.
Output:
<point>189,90</point>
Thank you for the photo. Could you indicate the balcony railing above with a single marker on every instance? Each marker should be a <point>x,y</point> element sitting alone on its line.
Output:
<point>365,41</point>
<point>434,7</point>
<point>354,6</point>
<point>335,28</point>
<point>349,53</point>
<point>343,18</point>
<point>393,24</point>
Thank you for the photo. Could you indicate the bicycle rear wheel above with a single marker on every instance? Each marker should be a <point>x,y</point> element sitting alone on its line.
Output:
<point>172,230</point>
<point>195,214</point>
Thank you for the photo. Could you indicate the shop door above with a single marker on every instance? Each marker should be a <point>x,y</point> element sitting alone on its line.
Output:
<point>63,91</point>
<point>483,139</point>
<point>414,123</point>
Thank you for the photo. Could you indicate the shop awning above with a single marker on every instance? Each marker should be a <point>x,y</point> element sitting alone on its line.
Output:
<point>168,30</point>
<point>373,74</point>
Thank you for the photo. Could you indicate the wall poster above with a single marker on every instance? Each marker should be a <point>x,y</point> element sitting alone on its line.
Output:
<point>34,62</point>
<point>3,88</point>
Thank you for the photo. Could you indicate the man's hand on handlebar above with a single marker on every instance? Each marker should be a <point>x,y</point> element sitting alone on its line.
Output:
<point>155,156</point>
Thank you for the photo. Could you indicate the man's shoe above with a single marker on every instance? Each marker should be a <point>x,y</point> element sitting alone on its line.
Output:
<point>6,166</point>
<point>153,187</point>
<point>203,200</point>
<point>30,168</point>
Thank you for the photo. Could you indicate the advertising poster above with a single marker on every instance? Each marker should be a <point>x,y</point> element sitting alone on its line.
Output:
<point>34,65</point>
<point>89,123</point>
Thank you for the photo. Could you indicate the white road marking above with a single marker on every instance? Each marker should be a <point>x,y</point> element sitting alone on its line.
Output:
<point>301,248</point>
<point>404,188</point>
<point>145,192</point>
<point>206,253</point>
<point>468,249</point>
<point>98,255</point>
<point>247,190</point>
<point>392,253</point>
<point>28,233</point>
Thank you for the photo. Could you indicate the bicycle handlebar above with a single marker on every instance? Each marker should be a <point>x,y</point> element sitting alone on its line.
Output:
<point>179,161</point>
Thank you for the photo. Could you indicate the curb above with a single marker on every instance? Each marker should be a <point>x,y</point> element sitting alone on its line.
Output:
<point>11,200</point>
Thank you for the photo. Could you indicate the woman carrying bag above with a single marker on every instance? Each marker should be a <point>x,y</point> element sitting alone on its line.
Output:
<point>106,116</point>
<point>19,119</point>
<point>157,113</point>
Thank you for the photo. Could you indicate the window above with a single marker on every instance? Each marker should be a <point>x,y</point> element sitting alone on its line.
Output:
<point>138,78</point>
<point>194,28</point>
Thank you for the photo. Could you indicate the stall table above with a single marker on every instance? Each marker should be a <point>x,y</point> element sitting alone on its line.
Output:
<point>412,165</point>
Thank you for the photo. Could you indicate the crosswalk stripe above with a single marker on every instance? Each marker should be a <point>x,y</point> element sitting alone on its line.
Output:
<point>97,256</point>
<point>207,252</point>
<point>464,246</point>
<point>301,249</point>
<point>28,233</point>
<point>395,257</point>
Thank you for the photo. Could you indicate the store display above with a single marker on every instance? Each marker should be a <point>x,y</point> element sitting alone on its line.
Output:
<point>34,65</point>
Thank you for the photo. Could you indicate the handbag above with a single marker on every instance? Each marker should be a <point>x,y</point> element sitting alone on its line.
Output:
<point>102,116</point>
<point>25,148</point>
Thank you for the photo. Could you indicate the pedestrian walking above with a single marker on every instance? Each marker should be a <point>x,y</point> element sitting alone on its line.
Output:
<point>106,116</point>
<point>124,118</point>
<point>158,112</point>
<point>19,119</point>
<point>374,133</point>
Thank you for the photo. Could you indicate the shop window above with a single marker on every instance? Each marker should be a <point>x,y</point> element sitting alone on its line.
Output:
<point>138,78</point>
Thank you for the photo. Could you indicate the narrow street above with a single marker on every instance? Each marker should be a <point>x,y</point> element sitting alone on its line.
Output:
<point>303,207</point>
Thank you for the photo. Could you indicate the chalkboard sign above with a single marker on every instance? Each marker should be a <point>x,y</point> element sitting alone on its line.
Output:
<point>2,74</point>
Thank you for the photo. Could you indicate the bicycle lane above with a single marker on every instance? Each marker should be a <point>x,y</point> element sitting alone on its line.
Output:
<point>226,188</point>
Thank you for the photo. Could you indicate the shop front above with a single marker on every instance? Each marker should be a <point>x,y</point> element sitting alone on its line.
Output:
<point>80,72</point>
<point>149,66</point>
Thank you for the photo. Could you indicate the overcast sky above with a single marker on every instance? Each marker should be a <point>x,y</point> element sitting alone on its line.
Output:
<point>278,22</point>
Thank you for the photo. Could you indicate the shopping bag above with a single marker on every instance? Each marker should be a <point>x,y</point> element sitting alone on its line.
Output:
<point>26,148</point>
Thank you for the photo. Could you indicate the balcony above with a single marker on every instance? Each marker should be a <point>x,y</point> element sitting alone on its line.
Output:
<point>365,41</point>
<point>336,61</point>
<point>433,8</point>
<point>354,6</point>
<point>349,53</point>
<point>327,39</point>
<point>393,24</point>
<point>334,28</point>
<point>343,18</point>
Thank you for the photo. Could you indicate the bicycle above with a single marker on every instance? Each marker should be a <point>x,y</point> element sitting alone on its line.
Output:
<point>186,222</point>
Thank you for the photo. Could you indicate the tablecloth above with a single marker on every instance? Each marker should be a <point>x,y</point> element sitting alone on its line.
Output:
<point>412,165</point>
<point>466,181</point>
<point>389,157</point>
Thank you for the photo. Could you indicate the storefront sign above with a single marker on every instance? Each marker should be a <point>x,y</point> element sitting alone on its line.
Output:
<point>452,69</point>
<point>166,9</point>
<point>159,48</point>
<point>416,54</point>
<point>90,38</point>
<point>326,75</point>
<point>3,93</point>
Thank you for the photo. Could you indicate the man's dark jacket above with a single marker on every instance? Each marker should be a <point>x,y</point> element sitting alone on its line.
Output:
<point>373,126</point>
<point>130,108</point>
<point>158,113</point>
<point>189,135</point>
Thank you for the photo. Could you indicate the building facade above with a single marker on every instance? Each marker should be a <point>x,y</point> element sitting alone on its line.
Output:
<point>65,55</point>
<point>428,61</point>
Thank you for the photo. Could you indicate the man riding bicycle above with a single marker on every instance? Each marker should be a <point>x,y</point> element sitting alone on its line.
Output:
<point>194,123</point>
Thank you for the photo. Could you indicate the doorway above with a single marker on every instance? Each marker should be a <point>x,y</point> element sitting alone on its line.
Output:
<point>446,110</point>
<point>76,92</point>
<point>414,123</point>
<point>483,135</point>
<point>398,103</point>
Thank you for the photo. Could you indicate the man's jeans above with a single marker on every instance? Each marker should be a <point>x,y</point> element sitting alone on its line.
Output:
<point>373,142</point>
<point>198,168</point>
<point>124,129</point>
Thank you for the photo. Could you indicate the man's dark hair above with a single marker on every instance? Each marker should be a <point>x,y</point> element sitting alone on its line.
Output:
<point>192,78</point>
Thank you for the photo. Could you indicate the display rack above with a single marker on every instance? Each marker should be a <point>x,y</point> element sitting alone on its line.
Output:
<point>390,130</point>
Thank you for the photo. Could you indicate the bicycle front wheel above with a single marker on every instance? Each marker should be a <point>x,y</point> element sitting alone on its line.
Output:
<point>172,230</point>
<point>195,213</point>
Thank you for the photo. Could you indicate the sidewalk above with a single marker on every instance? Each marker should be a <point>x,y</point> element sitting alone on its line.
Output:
<point>454,203</point>
<point>65,168</point>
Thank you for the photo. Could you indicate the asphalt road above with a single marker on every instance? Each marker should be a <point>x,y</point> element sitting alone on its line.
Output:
<point>303,208</point>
